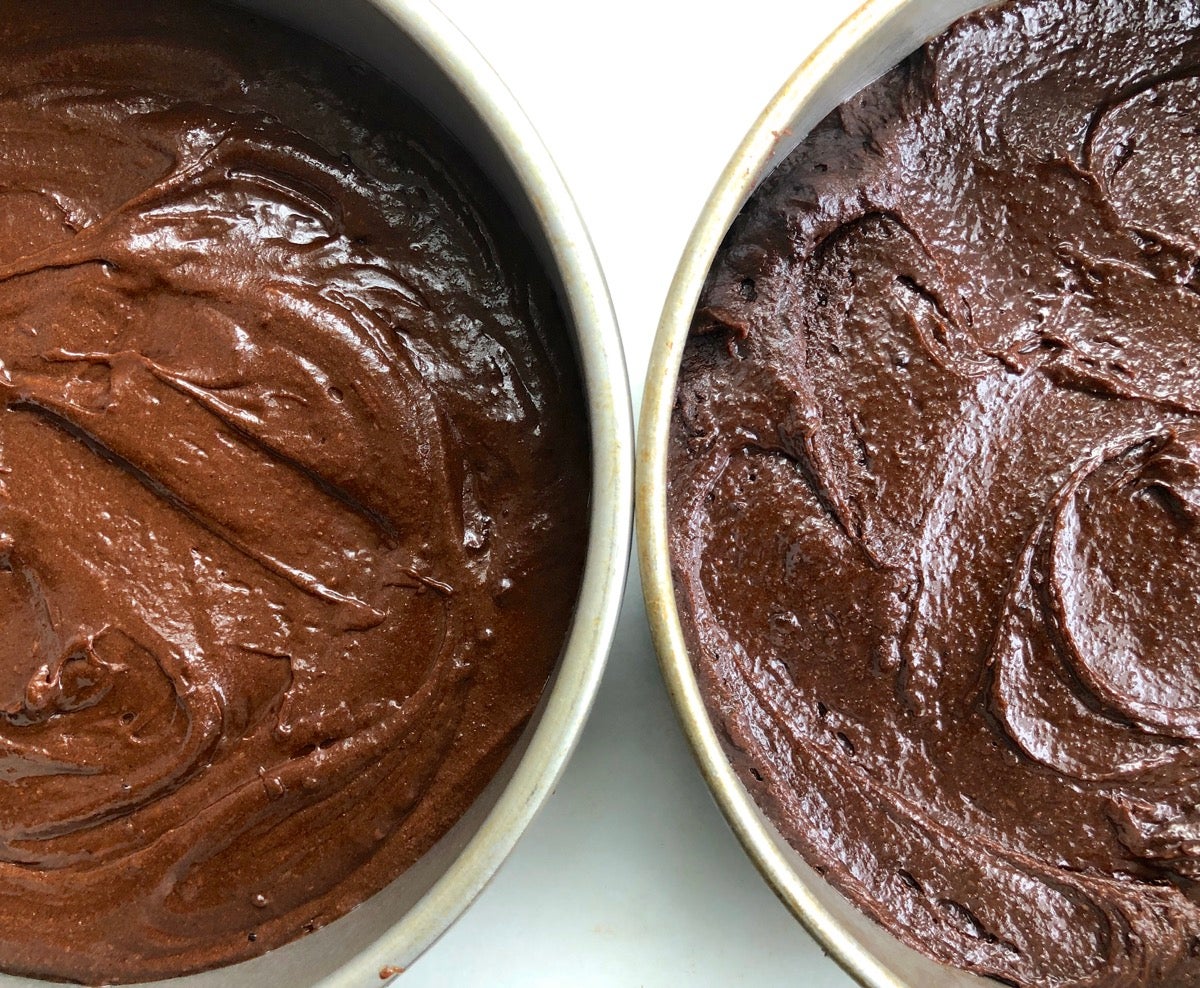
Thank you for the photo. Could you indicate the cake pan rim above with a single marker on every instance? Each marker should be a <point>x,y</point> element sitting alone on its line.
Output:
<point>815,88</point>
<point>592,319</point>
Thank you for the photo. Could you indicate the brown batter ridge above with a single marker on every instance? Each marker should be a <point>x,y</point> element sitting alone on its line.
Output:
<point>293,486</point>
<point>934,486</point>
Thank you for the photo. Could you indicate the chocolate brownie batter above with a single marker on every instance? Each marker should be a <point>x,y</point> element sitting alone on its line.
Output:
<point>935,495</point>
<point>293,485</point>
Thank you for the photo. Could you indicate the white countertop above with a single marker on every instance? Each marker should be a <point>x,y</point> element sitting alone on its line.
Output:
<point>630,876</point>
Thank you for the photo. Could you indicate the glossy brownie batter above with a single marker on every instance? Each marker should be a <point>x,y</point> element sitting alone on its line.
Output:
<point>935,495</point>
<point>293,485</point>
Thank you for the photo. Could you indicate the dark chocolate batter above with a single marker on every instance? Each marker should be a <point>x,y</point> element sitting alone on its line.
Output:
<point>935,495</point>
<point>293,486</point>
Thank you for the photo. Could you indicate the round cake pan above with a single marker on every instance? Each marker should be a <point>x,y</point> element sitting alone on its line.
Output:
<point>874,39</point>
<point>413,44</point>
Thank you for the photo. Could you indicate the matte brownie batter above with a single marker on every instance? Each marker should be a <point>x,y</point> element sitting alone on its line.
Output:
<point>293,486</point>
<point>935,495</point>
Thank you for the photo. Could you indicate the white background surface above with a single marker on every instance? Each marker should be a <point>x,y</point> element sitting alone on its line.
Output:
<point>629,876</point>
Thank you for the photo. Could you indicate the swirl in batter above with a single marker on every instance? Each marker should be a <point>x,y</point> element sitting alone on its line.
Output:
<point>293,487</point>
<point>935,493</point>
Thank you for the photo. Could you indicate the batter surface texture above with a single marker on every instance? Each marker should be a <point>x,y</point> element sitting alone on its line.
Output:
<point>293,486</point>
<point>934,489</point>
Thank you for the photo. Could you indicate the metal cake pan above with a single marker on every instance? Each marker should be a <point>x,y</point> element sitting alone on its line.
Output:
<point>875,38</point>
<point>412,43</point>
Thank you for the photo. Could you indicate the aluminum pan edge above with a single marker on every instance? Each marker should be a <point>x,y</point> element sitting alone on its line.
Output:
<point>878,35</point>
<point>573,690</point>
